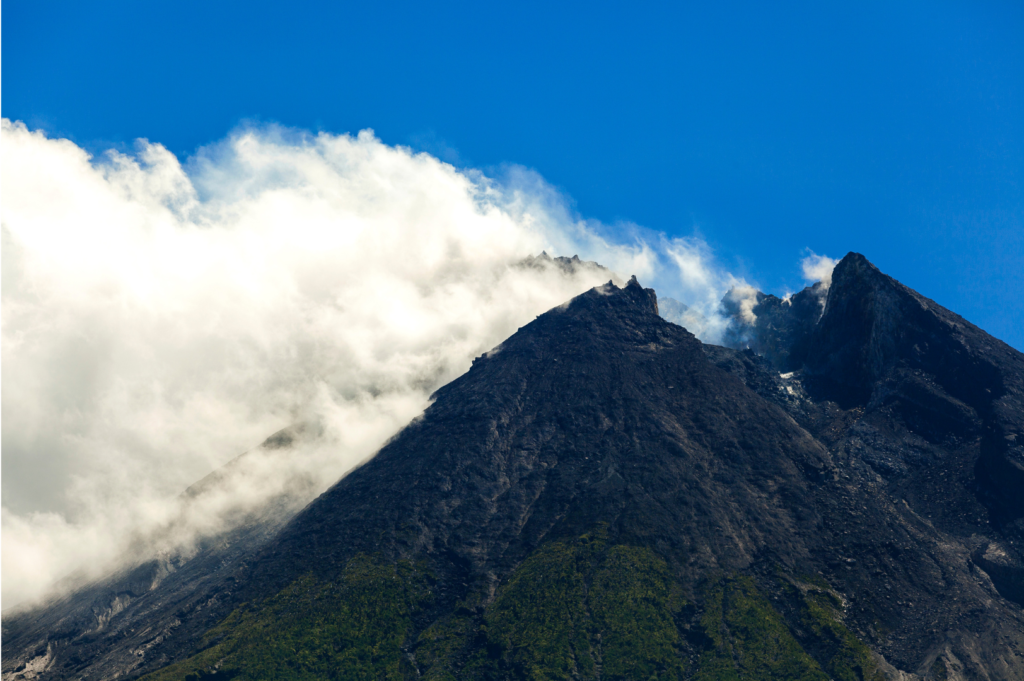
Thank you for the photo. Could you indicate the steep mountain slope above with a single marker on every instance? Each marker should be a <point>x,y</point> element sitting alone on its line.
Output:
<point>104,628</point>
<point>107,626</point>
<point>603,496</point>
<point>883,349</point>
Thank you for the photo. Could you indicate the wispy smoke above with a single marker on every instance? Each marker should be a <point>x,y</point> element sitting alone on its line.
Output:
<point>818,268</point>
<point>703,285</point>
<point>159,319</point>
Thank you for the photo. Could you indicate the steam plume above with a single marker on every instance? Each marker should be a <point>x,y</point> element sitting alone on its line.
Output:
<point>161,318</point>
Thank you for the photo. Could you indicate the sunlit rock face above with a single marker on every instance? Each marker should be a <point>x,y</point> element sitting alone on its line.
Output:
<point>604,496</point>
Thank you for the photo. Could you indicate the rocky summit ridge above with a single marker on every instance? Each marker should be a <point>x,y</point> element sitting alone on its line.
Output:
<point>838,496</point>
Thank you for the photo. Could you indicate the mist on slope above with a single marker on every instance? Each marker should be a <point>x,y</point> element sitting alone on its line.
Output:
<point>160,318</point>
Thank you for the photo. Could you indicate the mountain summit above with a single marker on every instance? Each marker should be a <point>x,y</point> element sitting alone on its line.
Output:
<point>603,496</point>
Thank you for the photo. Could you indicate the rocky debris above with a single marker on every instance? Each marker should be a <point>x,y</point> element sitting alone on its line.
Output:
<point>1004,569</point>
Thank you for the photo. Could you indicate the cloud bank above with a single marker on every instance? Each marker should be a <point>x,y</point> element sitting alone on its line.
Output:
<point>160,318</point>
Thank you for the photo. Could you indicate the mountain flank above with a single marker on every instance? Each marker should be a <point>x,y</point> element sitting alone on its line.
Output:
<point>603,496</point>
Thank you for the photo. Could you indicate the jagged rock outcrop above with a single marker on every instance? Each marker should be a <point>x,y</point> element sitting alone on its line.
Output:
<point>568,266</point>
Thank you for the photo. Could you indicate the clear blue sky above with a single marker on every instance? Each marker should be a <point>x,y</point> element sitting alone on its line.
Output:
<point>894,128</point>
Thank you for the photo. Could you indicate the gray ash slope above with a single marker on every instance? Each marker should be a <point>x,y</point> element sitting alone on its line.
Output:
<point>875,443</point>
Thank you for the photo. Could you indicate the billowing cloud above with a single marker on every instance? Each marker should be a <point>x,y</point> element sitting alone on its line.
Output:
<point>703,284</point>
<point>818,268</point>
<point>160,318</point>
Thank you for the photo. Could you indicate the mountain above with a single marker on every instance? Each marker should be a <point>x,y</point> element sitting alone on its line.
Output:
<point>603,496</point>
<point>108,625</point>
<point>568,266</point>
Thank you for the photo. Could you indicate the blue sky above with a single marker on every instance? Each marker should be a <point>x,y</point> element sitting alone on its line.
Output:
<point>893,129</point>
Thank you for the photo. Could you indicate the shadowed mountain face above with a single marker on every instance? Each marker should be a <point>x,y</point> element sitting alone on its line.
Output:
<point>603,496</point>
<point>880,348</point>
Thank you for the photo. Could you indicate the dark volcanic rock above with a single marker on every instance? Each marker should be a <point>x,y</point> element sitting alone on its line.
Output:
<point>782,327</point>
<point>883,348</point>
<point>1006,572</point>
<point>851,478</point>
<point>598,412</point>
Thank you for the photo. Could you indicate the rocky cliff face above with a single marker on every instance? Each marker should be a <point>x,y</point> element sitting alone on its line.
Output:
<point>603,496</point>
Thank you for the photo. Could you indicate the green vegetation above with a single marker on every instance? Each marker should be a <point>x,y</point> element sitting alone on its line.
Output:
<point>539,623</point>
<point>352,629</point>
<point>635,599</point>
<point>845,657</point>
<point>440,644</point>
<point>751,640</point>
<point>572,610</point>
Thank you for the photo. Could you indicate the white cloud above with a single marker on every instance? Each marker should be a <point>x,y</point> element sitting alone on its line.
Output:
<point>818,268</point>
<point>159,319</point>
<point>744,297</point>
<point>703,283</point>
